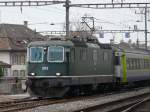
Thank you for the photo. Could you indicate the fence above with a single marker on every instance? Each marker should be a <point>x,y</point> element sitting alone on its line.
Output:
<point>12,85</point>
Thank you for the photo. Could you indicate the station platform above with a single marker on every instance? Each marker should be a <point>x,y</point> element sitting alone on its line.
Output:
<point>5,98</point>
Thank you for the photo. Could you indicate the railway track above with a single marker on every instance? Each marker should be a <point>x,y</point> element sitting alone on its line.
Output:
<point>14,106</point>
<point>23,104</point>
<point>140,106</point>
<point>121,105</point>
<point>28,103</point>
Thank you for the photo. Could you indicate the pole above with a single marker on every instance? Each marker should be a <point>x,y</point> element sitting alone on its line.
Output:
<point>67,18</point>
<point>145,27</point>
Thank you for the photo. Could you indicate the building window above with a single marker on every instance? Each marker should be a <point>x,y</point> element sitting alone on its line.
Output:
<point>18,59</point>
<point>14,59</point>
<point>5,71</point>
<point>22,59</point>
<point>15,73</point>
<point>22,73</point>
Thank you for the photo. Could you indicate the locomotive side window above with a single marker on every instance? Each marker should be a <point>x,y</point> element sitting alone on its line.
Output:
<point>83,54</point>
<point>72,55</point>
<point>105,56</point>
<point>132,63</point>
<point>95,56</point>
<point>55,54</point>
<point>36,54</point>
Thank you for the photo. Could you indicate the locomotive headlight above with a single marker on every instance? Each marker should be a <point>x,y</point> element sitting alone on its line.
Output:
<point>32,74</point>
<point>58,74</point>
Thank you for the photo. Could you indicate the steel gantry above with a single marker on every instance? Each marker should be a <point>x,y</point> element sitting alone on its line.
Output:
<point>29,3</point>
<point>39,3</point>
<point>95,31</point>
<point>114,5</point>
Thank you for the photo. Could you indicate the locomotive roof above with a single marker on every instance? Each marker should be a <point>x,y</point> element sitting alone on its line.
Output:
<point>48,43</point>
<point>64,43</point>
<point>72,43</point>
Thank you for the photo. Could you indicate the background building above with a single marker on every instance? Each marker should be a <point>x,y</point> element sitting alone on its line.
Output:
<point>13,41</point>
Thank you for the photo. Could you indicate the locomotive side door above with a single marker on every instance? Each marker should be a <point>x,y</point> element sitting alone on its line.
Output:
<point>124,67</point>
<point>117,65</point>
<point>67,53</point>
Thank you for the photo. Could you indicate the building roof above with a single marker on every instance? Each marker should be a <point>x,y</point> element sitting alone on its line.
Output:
<point>4,65</point>
<point>16,37</point>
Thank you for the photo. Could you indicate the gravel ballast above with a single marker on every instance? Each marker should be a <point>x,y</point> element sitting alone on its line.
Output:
<point>81,104</point>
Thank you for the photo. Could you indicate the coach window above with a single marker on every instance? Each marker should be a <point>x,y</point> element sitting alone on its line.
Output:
<point>144,63</point>
<point>138,63</point>
<point>133,63</point>
<point>55,54</point>
<point>148,63</point>
<point>128,63</point>
<point>133,67</point>
<point>36,54</point>
<point>140,66</point>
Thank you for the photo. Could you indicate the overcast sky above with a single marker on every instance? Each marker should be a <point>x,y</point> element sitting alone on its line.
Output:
<point>40,18</point>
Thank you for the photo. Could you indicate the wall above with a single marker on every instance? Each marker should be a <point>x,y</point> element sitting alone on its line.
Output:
<point>5,57</point>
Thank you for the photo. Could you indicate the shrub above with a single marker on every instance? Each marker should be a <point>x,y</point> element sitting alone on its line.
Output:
<point>1,72</point>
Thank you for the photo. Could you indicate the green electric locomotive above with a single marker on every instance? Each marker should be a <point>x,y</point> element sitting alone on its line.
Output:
<point>60,67</point>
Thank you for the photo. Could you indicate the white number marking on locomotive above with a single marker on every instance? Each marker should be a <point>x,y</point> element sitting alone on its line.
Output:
<point>44,68</point>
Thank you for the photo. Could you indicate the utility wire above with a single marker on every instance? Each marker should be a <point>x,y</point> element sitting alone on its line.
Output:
<point>48,10</point>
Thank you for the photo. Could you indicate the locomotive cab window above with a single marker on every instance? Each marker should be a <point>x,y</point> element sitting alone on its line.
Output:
<point>36,54</point>
<point>55,54</point>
